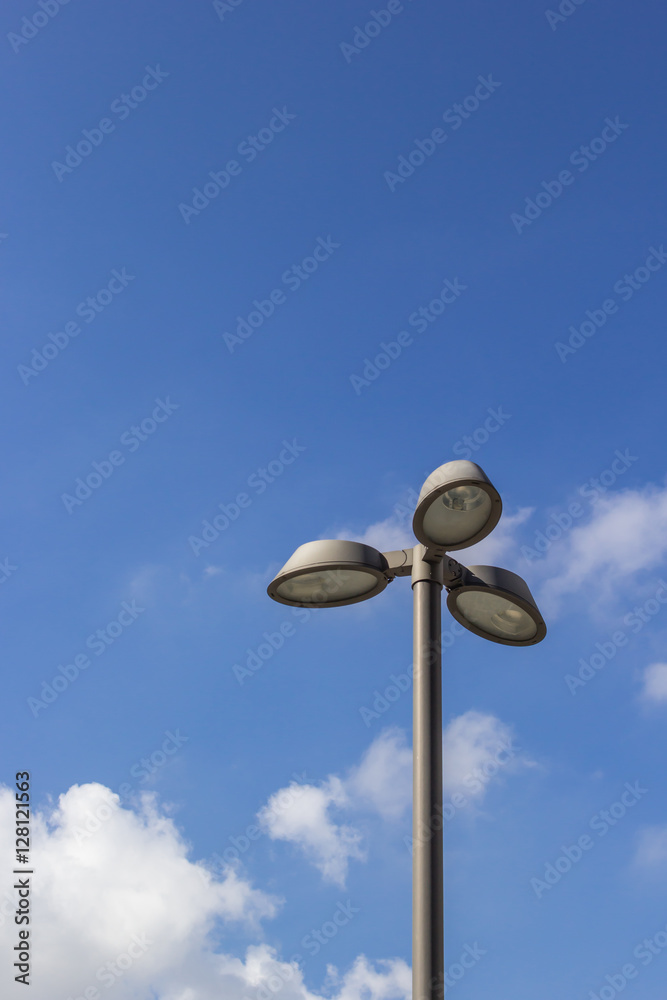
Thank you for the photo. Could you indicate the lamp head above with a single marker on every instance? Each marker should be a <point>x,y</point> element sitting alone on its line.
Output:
<point>497,605</point>
<point>329,574</point>
<point>457,506</point>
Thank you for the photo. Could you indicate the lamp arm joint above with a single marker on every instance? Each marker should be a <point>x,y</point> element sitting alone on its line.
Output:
<point>453,573</point>
<point>399,563</point>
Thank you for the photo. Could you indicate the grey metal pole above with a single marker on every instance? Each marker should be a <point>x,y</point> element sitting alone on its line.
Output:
<point>428,958</point>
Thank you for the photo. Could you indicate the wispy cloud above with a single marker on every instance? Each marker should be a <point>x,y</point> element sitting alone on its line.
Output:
<point>392,533</point>
<point>625,536</point>
<point>383,779</point>
<point>395,532</point>
<point>501,545</point>
<point>470,742</point>
<point>308,824</point>
<point>655,683</point>
<point>382,784</point>
<point>651,851</point>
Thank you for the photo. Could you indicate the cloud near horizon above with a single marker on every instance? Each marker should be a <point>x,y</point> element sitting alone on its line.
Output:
<point>122,910</point>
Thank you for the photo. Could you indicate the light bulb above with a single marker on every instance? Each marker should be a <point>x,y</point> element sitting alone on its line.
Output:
<point>464,498</point>
<point>511,620</point>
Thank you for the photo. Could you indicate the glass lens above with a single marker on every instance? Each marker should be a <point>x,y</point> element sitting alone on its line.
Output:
<point>457,515</point>
<point>327,585</point>
<point>496,615</point>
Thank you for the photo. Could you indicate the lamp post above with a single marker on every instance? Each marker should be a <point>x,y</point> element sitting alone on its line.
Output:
<point>457,507</point>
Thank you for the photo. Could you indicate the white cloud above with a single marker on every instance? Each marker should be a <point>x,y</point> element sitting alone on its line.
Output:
<point>652,848</point>
<point>307,822</point>
<point>500,545</point>
<point>105,874</point>
<point>383,779</point>
<point>381,783</point>
<point>265,977</point>
<point>145,582</point>
<point>625,535</point>
<point>655,682</point>
<point>471,743</point>
<point>363,982</point>
<point>118,907</point>
<point>604,555</point>
<point>395,532</point>
<point>475,747</point>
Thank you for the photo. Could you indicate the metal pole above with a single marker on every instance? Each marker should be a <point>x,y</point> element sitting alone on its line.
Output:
<point>428,958</point>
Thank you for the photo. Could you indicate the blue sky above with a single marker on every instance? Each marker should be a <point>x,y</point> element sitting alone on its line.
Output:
<point>446,239</point>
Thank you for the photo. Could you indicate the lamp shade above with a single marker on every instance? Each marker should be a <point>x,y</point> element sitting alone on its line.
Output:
<point>329,574</point>
<point>497,605</point>
<point>457,507</point>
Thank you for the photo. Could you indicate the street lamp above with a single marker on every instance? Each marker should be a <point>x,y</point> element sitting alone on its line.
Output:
<point>457,507</point>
